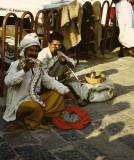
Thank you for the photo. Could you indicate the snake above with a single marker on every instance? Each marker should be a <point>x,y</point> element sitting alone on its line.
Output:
<point>35,79</point>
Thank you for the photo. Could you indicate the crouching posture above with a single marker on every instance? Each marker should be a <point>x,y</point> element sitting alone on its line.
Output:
<point>25,79</point>
<point>55,62</point>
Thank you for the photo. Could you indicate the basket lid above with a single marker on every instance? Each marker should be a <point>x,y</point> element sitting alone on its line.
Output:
<point>95,77</point>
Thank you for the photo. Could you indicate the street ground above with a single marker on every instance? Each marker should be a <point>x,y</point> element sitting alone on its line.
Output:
<point>110,136</point>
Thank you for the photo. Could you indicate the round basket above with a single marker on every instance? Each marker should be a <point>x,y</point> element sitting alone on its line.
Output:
<point>96,79</point>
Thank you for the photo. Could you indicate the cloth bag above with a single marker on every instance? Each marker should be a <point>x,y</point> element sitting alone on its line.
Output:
<point>94,92</point>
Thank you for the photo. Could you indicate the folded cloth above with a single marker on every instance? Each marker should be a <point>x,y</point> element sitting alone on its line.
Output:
<point>70,117</point>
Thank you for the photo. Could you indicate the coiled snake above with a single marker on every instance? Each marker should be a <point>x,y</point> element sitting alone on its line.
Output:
<point>35,79</point>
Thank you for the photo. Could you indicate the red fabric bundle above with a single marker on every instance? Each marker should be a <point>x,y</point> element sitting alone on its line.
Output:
<point>81,123</point>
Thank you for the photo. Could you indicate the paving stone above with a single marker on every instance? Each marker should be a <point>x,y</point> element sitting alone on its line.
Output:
<point>6,152</point>
<point>20,138</point>
<point>128,140</point>
<point>10,126</point>
<point>91,127</point>
<point>2,123</point>
<point>124,89</point>
<point>2,140</point>
<point>114,128</point>
<point>49,139</point>
<point>112,149</point>
<point>118,107</point>
<point>71,135</point>
<point>71,155</point>
<point>2,109</point>
<point>97,111</point>
<point>111,71</point>
<point>90,151</point>
<point>34,153</point>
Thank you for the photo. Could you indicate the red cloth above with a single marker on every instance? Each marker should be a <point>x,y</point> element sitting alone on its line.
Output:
<point>82,123</point>
<point>112,13</point>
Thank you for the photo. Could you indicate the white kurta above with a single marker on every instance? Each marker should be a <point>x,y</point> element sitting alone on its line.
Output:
<point>48,60</point>
<point>125,20</point>
<point>18,83</point>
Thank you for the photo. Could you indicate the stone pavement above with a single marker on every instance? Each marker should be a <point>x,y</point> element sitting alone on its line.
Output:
<point>110,136</point>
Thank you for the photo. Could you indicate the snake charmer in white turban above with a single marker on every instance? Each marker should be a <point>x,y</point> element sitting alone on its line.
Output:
<point>29,40</point>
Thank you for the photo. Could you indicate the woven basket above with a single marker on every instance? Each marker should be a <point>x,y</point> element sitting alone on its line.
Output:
<point>96,79</point>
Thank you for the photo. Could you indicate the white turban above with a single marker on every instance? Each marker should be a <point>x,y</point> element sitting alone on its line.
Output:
<point>28,40</point>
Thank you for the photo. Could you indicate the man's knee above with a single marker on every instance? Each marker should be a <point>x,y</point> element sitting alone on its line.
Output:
<point>28,107</point>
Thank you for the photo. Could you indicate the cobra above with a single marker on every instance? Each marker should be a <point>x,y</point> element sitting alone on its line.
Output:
<point>35,79</point>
